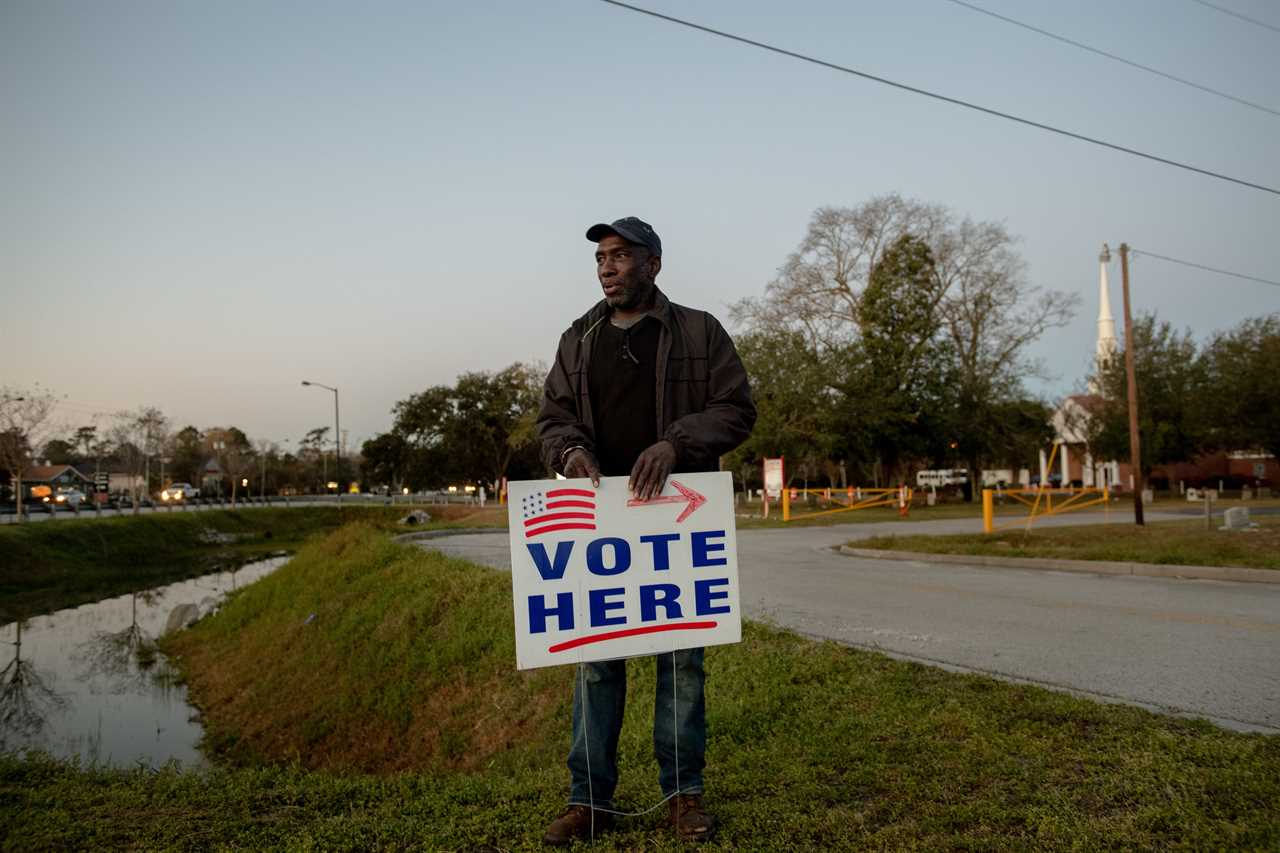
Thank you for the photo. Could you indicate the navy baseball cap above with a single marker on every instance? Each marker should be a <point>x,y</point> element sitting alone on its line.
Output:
<point>632,230</point>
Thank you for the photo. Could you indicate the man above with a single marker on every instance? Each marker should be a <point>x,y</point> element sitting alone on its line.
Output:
<point>641,387</point>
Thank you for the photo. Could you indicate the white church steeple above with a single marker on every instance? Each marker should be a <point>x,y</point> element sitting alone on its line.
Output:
<point>1106,346</point>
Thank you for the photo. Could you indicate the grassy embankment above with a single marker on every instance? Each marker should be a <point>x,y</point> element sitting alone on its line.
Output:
<point>49,565</point>
<point>393,719</point>
<point>1178,543</point>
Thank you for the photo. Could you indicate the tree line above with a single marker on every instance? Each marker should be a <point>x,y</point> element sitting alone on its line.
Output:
<point>896,337</point>
<point>1193,398</point>
<point>143,445</point>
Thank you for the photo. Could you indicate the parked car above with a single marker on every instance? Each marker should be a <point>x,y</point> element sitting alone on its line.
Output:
<point>179,492</point>
<point>70,497</point>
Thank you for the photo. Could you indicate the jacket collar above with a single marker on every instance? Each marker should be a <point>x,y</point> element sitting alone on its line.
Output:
<point>661,311</point>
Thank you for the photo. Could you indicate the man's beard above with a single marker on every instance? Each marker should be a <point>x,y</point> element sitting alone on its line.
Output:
<point>631,297</point>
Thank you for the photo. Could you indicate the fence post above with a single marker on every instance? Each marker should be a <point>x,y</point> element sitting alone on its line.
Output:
<point>988,511</point>
<point>786,504</point>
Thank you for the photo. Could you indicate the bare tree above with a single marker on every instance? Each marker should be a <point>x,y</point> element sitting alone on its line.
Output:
<point>265,449</point>
<point>138,435</point>
<point>992,314</point>
<point>26,422</point>
<point>125,657</point>
<point>819,288</point>
<point>989,310</point>
<point>26,699</point>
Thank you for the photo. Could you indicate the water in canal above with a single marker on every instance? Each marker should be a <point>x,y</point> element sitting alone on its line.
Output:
<point>88,682</point>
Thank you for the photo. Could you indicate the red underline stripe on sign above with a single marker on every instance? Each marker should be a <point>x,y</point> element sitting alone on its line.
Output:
<point>570,493</point>
<point>629,632</point>
<point>552,528</point>
<point>571,505</point>
<point>559,516</point>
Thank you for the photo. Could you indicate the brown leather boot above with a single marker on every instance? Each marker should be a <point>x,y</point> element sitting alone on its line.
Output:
<point>575,822</point>
<point>690,821</point>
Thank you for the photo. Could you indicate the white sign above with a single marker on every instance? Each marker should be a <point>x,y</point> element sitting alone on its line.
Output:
<point>773,478</point>
<point>598,575</point>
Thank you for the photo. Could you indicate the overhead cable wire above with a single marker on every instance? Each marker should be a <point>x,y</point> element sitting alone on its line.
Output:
<point>1224,10</point>
<point>1175,78</point>
<point>966,104</point>
<point>1203,267</point>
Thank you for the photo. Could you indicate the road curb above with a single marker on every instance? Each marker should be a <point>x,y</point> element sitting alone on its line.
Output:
<point>1093,567</point>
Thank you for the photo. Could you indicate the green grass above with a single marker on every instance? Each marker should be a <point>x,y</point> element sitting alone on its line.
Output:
<point>395,720</point>
<point>1179,543</point>
<point>49,565</point>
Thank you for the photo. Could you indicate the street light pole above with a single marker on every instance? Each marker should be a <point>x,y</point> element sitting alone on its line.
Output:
<point>337,435</point>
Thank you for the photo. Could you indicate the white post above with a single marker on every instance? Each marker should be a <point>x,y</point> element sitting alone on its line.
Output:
<point>1044,464</point>
<point>1066,467</point>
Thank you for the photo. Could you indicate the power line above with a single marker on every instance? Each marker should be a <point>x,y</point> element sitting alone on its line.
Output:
<point>1116,58</point>
<point>1203,267</point>
<point>1224,10</point>
<point>844,69</point>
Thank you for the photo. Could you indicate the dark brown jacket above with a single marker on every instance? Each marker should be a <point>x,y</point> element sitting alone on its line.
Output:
<point>703,399</point>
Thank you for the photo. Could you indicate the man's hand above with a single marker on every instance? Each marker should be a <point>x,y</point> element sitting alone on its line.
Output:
<point>580,463</point>
<point>649,474</point>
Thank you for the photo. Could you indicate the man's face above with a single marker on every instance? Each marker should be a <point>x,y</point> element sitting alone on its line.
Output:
<point>626,272</point>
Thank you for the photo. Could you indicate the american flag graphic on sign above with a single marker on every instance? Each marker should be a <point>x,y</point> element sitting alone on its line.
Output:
<point>558,509</point>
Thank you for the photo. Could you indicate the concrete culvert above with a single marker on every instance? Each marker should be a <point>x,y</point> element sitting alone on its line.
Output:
<point>418,516</point>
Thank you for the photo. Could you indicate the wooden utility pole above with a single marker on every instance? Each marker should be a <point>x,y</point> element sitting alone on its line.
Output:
<point>1135,451</point>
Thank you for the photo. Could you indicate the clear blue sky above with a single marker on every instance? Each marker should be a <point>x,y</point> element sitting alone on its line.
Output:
<point>204,203</point>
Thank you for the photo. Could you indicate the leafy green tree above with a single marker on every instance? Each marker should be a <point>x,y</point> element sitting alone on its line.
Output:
<point>1173,404</point>
<point>790,385</point>
<point>422,421</point>
<point>59,451</point>
<point>189,456</point>
<point>85,438</point>
<point>480,429</point>
<point>489,410</point>
<point>1243,386</point>
<point>314,451</point>
<point>386,460</point>
<point>898,384</point>
<point>1019,429</point>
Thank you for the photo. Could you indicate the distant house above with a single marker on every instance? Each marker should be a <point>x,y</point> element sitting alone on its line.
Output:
<point>118,481</point>
<point>211,476</point>
<point>1075,462</point>
<point>54,478</point>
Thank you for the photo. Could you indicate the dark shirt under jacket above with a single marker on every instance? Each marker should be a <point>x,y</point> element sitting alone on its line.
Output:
<point>622,381</point>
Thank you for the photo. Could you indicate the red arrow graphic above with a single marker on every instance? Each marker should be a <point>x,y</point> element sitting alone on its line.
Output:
<point>694,499</point>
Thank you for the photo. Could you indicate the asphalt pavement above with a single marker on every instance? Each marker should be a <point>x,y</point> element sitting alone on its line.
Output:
<point>1195,648</point>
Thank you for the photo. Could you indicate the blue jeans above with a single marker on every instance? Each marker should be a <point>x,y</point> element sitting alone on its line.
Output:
<point>679,726</point>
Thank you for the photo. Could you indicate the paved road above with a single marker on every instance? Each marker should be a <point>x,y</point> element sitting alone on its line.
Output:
<point>87,511</point>
<point>1188,647</point>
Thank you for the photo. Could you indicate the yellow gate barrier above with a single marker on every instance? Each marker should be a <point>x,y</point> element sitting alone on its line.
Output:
<point>1076,499</point>
<point>859,498</point>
